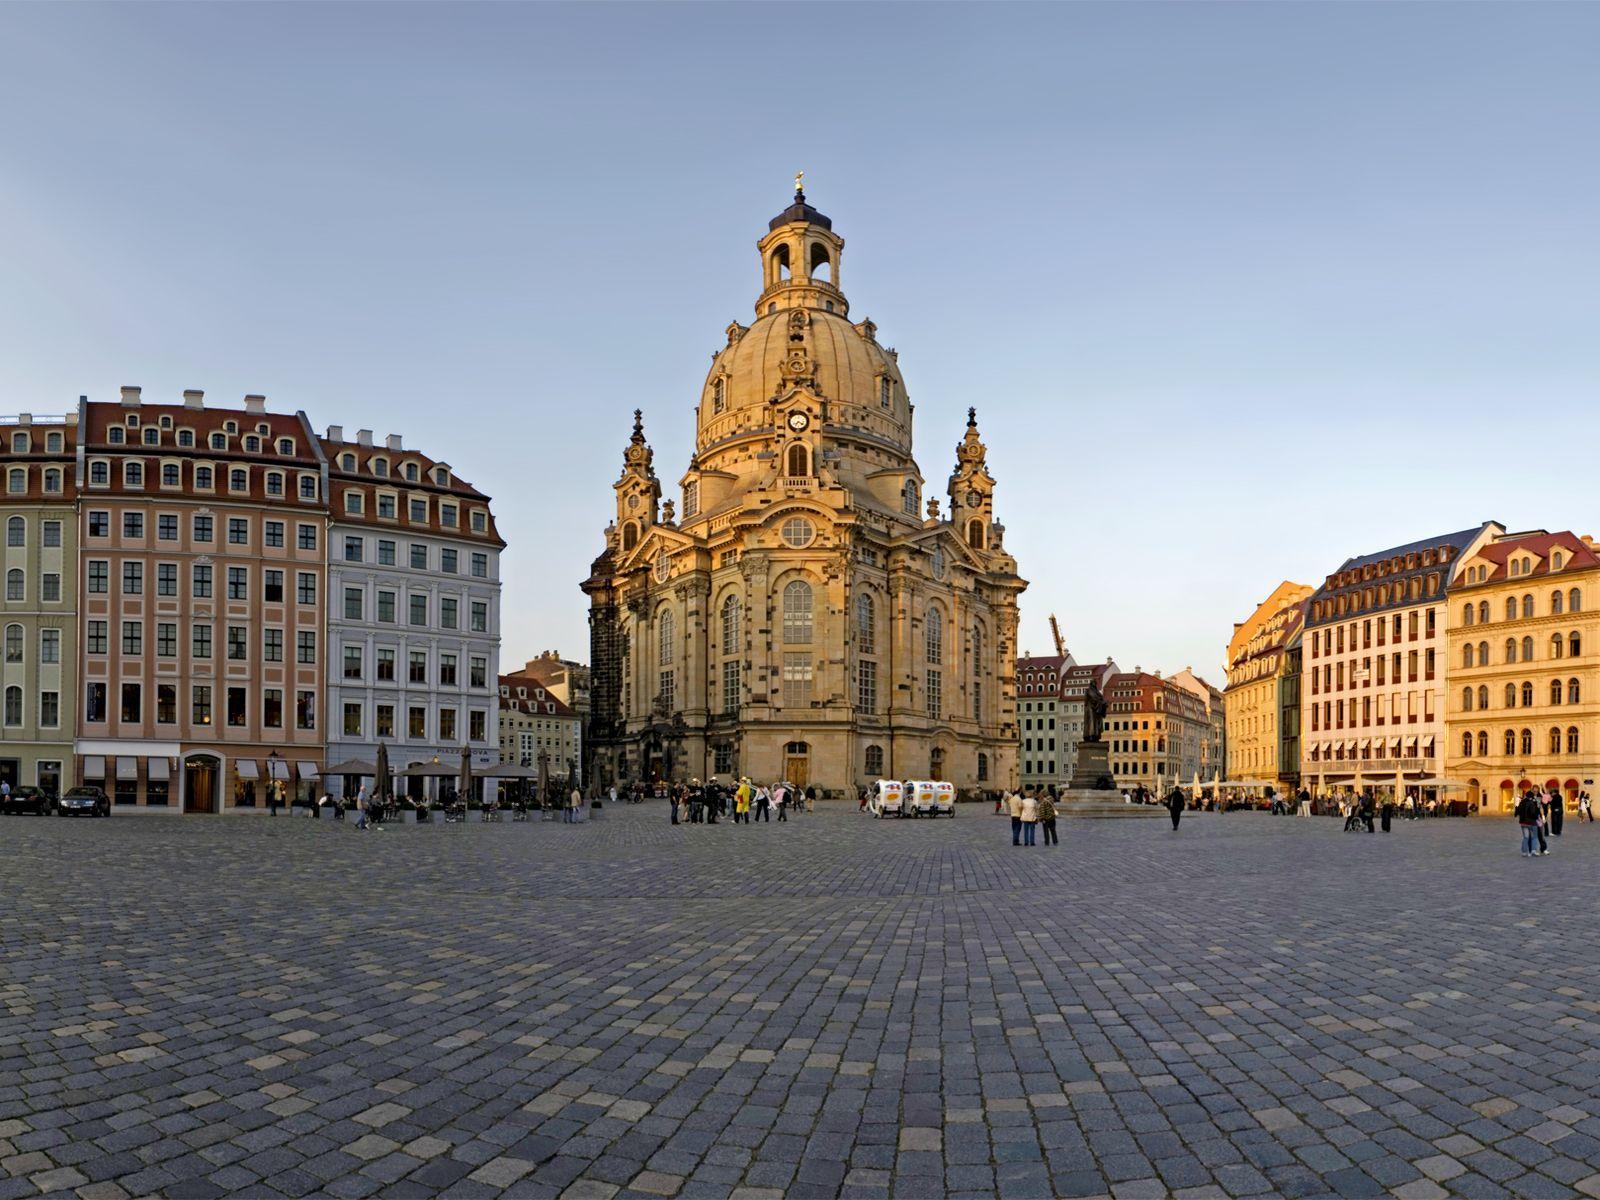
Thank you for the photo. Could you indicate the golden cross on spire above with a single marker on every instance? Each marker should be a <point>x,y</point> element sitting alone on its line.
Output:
<point>799,178</point>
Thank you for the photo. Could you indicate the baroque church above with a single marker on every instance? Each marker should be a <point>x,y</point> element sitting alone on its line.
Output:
<point>802,611</point>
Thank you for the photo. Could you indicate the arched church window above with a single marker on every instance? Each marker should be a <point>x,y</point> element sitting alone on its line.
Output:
<point>885,391</point>
<point>866,625</point>
<point>718,395</point>
<point>975,533</point>
<point>797,612</point>
<point>933,636</point>
<point>938,562</point>
<point>691,498</point>
<point>780,263</point>
<point>983,767</point>
<point>820,266</point>
<point>874,763</point>
<point>799,461</point>
<point>731,612</point>
<point>908,498</point>
<point>798,532</point>
<point>664,631</point>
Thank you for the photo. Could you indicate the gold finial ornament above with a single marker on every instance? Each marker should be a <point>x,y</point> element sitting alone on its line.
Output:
<point>799,178</point>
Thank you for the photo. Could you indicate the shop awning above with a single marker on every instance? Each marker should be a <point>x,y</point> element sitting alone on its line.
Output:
<point>1411,745</point>
<point>127,768</point>
<point>155,770</point>
<point>278,768</point>
<point>246,768</point>
<point>308,770</point>
<point>1427,748</point>
<point>94,766</point>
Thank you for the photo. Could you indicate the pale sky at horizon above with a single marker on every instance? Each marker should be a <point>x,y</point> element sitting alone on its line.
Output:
<point>1239,291</point>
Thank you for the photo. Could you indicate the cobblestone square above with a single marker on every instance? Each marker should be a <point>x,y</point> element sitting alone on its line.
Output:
<point>833,1006</point>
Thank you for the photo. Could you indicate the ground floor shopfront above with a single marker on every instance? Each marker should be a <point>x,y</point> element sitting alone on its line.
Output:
<point>1421,776</point>
<point>43,765</point>
<point>175,777</point>
<point>1496,783</point>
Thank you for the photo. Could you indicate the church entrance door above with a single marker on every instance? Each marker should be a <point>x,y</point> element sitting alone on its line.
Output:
<point>797,764</point>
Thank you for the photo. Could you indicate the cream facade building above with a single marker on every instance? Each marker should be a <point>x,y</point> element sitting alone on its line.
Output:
<point>1258,661</point>
<point>1373,691</point>
<point>1524,652</point>
<point>807,613</point>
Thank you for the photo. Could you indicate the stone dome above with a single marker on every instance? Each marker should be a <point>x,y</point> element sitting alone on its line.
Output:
<point>848,363</point>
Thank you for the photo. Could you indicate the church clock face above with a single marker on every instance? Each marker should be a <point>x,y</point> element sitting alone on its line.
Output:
<point>974,499</point>
<point>798,421</point>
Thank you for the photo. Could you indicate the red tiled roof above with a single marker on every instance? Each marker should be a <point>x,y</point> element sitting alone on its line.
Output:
<point>1540,546</point>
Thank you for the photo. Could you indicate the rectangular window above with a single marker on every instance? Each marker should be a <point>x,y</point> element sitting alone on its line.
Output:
<point>447,561</point>
<point>419,557</point>
<point>797,679</point>
<point>417,671</point>
<point>236,706</point>
<point>385,721</point>
<point>99,524</point>
<point>419,610</point>
<point>352,604</point>
<point>305,646</point>
<point>480,672</point>
<point>416,722</point>
<point>419,512</point>
<point>202,529</point>
<point>236,645</point>
<point>480,565</point>
<point>353,549</point>
<point>200,703</point>
<point>167,527</point>
<point>668,692</point>
<point>51,534</point>
<point>306,588</point>
<point>352,662</point>
<point>305,710</point>
<point>238,583</point>
<point>200,582</point>
<point>934,693</point>
<point>272,586</point>
<point>480,616</point>
<point>385,553</point>
<point>238,531</point>
<point>272,708</point>
<point>385,670</point>
<point>166,703</point>
<point>132,578</point>
<point>386,506</point>
<point>307,537</point>
<point>50,645</point>
<point>447,724</point>
<point>50,709</point>
<point>132,702</point>
<point>167,640</point>
<point>386,607</point>
<point>99,576</point>
<point>50,588</point>
<point>94,703</point>
<point>447,670</point>
<point>274,533</point>
<point>477,725</point>
<point>133,525</point>
<point>867,686</point>
<point>96,639</point>
<point>447,515</point>
<point>730,688</point>
<point>200,641</point>
<point>352,720</point>
<point>272,645</point>
<point>447,612</point>
<point>166,579</point>
<point>132,638</point>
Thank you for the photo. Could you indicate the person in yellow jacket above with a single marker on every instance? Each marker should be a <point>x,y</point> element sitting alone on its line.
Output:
<point>741,802</point>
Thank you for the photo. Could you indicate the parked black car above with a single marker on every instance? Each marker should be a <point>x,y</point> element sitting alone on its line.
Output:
<point>26,800</point>
<point>85,802</point>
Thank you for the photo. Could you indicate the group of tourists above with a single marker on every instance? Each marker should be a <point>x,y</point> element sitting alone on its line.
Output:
<point>745,802</point>
<point>1541,812</point>
<point>1030,810</point>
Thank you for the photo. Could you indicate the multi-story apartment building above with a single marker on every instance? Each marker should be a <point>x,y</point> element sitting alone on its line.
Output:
<point>1375,666</point>
<point>1040,760</point>
<point>38,611</point>
<point>1211,760</point>
<point>1257,662</point>
<point>414,618</point>
<point>1156,729</point>
<point>534,721</point>
<point>1289,711</point>
<point>202,586</point>
<point>1524,651</point>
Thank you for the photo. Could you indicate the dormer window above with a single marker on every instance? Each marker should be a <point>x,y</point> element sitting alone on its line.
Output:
<point>238,480</point>
<point>480,521</point>
<point>133,474</point>
<point>1556,560</point>
<point>166,421</point>
<point>386,505</point>
<point>380,467</point>
<point>186,439</point>
<point>114,435</point>
<point>53,443</point>
<point>219,441</point>
<point>441,477</point>
<point>308,487</point>
<point>411,472</point>
<point>264,429</point>
<point>286,446</point>
<point>19,443</point>
<point>347,462</point>
<point>133,420</point>
<point>274,483</point>
<point>202,479</point>
<point>252,445</point>
<point>447,515</point>
<point>352,502</point>
<point>230,427</point>
<point>152,436</point>
<point>418,512</point>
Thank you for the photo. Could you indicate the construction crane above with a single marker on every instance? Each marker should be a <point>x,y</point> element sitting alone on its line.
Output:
<point>1055,632</point>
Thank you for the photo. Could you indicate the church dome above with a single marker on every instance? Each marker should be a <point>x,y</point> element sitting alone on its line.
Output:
<point>849,366</point>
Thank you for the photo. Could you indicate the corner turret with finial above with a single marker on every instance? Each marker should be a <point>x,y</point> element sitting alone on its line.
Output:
<point>638,490</point>
<point>971,488</point>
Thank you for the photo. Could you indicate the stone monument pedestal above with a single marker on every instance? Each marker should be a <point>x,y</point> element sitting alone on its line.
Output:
<point>1091,793</point>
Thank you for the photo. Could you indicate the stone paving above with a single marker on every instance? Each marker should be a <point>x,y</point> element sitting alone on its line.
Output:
<point>834,1006</point>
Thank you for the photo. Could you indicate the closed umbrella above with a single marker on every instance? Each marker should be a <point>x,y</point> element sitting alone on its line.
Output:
<point>381,781</point>
<point>464,780</point>
<point>544,780</point>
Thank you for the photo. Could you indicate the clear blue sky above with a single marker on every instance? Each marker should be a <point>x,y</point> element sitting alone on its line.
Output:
<point>1238,291</point>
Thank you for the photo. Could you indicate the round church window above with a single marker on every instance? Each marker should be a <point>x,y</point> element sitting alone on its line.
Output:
<point>798,532</point>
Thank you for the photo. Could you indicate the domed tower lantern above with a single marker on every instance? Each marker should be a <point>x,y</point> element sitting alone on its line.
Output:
<point>800,260</point>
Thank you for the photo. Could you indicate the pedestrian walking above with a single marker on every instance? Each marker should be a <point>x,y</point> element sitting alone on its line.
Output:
<point>1541,822</point>
<point>862,807</point>
<point>1047,819</point>
<point>1386,814</point>
<point>1014,805</point>
<point>1558,815</point>
<point>780,797</point>
<point>741,802</point>
<point>764,805</point>
<point>1175,806</point>
<point>672,804</point>
<point>811,798</point>
<point>361,811</point>
<point>1585,807</point>
<point>1030,818</point>
<point>1528,821</point>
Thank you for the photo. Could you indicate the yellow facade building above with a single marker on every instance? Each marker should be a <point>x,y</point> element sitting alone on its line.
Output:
<point>1257,662</point>
<point>1523,704</point>
<point>807,613</point>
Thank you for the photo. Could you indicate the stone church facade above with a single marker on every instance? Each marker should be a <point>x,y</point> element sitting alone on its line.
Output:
<point>802,611</point>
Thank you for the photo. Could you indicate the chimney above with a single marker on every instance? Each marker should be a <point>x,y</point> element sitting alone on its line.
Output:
<point>193,398</point>
<point>130,397</point>
<point>256,406</point>
<point>394,442</point>
<point>336,433</point>
<point>364,437</point>
<point>24,418</point>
